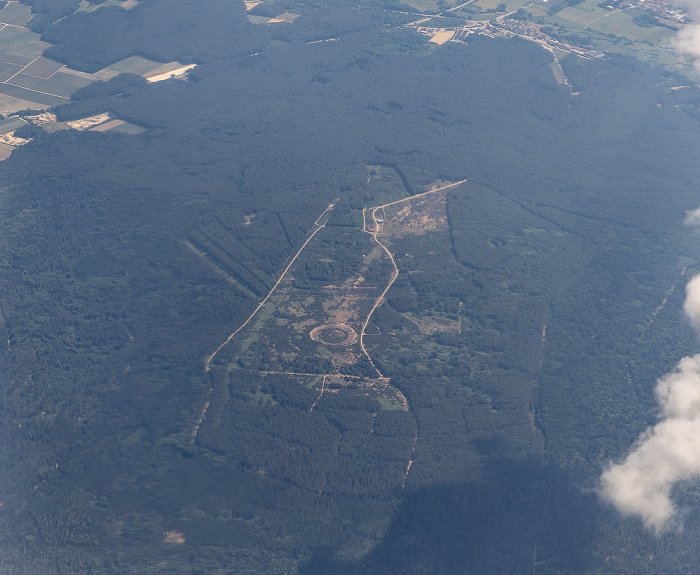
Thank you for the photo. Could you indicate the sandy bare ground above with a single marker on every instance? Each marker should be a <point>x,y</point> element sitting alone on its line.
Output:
<point>177,72</point>
<point>11,140</point>
<point>89,122</point>
<point>441,37</point>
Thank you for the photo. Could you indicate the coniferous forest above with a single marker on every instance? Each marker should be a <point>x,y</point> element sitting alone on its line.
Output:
<point>519,344</point>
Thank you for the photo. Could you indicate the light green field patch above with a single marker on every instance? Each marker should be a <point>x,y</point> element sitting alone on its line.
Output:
<point>105,5</point>
<point>511,5</point>
<point>621,24</point>
<point>390,403</point>
<point>11,124</point>
<point>135,65</point>
<point>260,398</point>
<point>129,129</point>
<point>384,185</point>
<point>21,42</point>
<point>559,75</point>
<point>423,5</point>
<point>258,19</point>
<point>538,10</point>
<point>580,17</point>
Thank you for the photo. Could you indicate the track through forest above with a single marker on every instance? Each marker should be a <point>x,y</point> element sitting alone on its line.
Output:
<point>317,227</point>
<point>395,274</point>
<point>375,232</point>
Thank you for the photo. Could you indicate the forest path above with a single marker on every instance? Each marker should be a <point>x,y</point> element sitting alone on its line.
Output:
<point>395,274</point>
<point>274,287</point>
<point>318,226</point>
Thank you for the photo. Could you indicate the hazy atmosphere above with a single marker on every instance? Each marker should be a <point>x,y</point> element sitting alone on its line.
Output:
<point>349,287</point>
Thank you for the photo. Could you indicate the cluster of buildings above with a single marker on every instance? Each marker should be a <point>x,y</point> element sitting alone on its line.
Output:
<point>506,27</point>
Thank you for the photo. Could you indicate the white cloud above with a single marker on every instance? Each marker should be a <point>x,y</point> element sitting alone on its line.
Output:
<point>665,454</point>
<point>669,452</point>
<point>692,217</point>
<point>692,301</point>
<point>688,42</point>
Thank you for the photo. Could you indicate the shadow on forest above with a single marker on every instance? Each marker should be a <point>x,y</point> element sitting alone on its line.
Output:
<point>504,524</point>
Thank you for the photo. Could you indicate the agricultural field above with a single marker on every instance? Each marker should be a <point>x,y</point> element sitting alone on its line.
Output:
<point>60,84</point>
<point>614,31</point>
<point>429,6</point>
<point>511,5</point>
<point>134,65</point>
<point>15,14</point>
<point>21,43</point>
<point>11,124</point>
<point>86,6</point>
<point>32,96</point>
<point>42,68</point>
<point>29,80</point>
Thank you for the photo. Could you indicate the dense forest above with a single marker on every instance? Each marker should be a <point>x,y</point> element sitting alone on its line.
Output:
<point>125,261</point>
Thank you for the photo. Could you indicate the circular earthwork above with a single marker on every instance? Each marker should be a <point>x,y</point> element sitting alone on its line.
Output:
<point>334,334</point>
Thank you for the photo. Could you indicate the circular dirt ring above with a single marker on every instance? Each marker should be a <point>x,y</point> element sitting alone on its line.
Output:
<point>335,334</point>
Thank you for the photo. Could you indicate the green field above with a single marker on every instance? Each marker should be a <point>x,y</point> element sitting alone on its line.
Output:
<point>429,6</point>
<point>135,65</point>
<point>42,68</point>
<point>128,128</point>
<point>511,5</point>
<point>60,84</point>
<point>31,96</point>
<point>21,42</point>
<point>11,124</point>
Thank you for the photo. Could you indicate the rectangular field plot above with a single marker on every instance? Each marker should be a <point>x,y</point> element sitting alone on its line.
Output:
<point>42,68</point>
<point>287,17</point>
<point>134,65</point>
<point>21,42</point>
<point>510,4</point>
<point>59,84</point>
<point>10,104</point>
<point>11,124</point>
<point>423,5</point>
<point>13,59</point>
<point>129,129</point>
<point>30,97</point>
<point>254,19</point>
<point>106,4</point>
<point>120,127</point>
<point>580,17</point>
<point>5,151</point>
<point>621,24</point>
<point>16,14</point>
<point>107,126</point>
<point>8,70</point>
